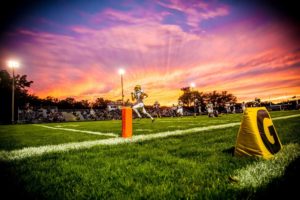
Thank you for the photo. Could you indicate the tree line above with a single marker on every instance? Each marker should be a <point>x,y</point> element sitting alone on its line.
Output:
<point>23,98</point>
<point>220,98</point>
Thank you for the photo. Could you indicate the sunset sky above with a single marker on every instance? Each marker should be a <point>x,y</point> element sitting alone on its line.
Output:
<point>75,48</point>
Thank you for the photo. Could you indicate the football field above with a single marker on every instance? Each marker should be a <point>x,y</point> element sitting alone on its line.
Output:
<point>172,158</point>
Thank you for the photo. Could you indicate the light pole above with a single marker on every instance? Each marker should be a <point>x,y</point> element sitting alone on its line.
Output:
<point>122,72</point>
<point>193,85</point>
<point>13,64</point>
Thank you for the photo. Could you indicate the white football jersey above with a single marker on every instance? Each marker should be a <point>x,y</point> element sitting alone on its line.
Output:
<point>138,95</point>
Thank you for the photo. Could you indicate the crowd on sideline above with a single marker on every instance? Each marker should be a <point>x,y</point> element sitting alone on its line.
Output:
<point>30,114</point>
<point>45,115</point>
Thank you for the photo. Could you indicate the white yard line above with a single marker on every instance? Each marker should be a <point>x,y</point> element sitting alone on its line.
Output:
<point>80,131</point>
<point>71,125</point>
<point>140,129</point>
<point>175,120</point>
<point>36,151</point>
<point>286,117</point>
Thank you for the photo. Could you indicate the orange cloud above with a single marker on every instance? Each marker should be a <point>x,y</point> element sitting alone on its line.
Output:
<point>245,58</point>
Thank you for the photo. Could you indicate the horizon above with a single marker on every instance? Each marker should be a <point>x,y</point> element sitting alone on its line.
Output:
<point>75,49</point>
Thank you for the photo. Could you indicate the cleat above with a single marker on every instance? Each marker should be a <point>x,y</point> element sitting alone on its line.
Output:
<point>153,120</point>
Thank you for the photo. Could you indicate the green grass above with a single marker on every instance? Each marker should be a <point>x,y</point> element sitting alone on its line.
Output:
<point>193,166</point>
<point>21,136</point>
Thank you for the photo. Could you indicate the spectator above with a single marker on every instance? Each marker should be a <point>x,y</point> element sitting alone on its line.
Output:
<point>210,109</point>
<point>197,107</point>
<point>156,108</point>
<point>216,109</point>
<point>174,111</point>
<point>243,107</point>
<point>227,107</point>
<point>180,108</point>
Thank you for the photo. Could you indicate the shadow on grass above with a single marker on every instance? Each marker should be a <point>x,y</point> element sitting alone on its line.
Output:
<point>279,188</point>
<point>10,185</point>
<point>283,187</point>
<point>229,151</point>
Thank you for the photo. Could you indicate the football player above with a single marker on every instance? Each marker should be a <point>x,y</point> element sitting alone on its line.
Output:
<point>243,106</point>
<point>216,108</point>
<point>156,109</point>
<point>173,110</point>
<point>210,109</point>
<point>180,108</point>
<point>227,107</point>
<point>197,107</point>
<point>139,95</point>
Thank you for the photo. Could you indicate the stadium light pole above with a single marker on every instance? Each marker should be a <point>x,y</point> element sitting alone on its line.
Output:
<point>122,72</point>
<point>193,85</point>
<point>13,64</point>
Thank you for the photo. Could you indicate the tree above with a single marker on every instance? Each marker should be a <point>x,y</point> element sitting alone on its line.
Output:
<point>67,103</point>
<point>101,103</point>
<point>220,98</point>
<point>186,97</point>
<point>49,101</point>
<point>189,96</point>
<point>213,96</point>
<point>83,104</point>
<point>199,95</point>
<point>21,94</point>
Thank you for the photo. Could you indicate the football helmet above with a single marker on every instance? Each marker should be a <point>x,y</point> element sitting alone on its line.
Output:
<point>137,87</point>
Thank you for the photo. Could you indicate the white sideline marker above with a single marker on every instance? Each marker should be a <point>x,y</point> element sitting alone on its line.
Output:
<point>36,151</point>
<point>76,130</point>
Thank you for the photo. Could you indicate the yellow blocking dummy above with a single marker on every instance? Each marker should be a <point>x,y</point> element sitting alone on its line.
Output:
<point>257,135</point>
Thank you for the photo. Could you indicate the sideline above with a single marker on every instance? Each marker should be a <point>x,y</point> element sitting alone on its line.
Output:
<point>37,151</point>
<point>76,130</point>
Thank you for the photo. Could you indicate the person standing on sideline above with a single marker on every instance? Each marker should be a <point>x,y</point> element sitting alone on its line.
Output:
<point>174,110</point>
<point>197,107</point>
<point>180,108</point>
<point>156,109</point>
<point>216,109</point>
<point>243,106</point>
<point>210,109</point>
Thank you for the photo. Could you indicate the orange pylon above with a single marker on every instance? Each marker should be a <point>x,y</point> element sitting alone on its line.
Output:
<point>126,122</point>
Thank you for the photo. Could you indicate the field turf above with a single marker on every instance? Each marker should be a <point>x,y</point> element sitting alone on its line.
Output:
<point>195,165</point>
